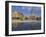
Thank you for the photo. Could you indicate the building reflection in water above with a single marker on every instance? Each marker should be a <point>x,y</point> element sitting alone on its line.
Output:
<point>16,25</point>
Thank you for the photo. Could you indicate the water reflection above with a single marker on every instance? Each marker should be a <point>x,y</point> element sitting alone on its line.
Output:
<point>26,26</point>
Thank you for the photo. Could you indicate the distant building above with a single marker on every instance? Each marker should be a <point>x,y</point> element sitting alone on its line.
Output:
<point>17,16</point>
<point>38,18</point>
<point>32,17</point>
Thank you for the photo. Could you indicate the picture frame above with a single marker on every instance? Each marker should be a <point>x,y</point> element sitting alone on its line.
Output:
<point>11,6</point>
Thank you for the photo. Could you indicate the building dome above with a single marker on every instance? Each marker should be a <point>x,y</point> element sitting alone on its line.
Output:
<point>17,16</point>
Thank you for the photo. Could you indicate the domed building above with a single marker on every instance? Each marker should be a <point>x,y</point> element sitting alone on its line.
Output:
<point>17,16</point>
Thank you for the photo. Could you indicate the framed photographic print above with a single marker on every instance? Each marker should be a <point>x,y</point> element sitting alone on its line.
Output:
<point>24,18</point>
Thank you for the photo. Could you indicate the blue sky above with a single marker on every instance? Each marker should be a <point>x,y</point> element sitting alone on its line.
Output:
<point>27,10</point>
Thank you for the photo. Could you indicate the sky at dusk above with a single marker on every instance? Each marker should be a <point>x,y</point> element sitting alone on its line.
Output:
<point>27,10</point>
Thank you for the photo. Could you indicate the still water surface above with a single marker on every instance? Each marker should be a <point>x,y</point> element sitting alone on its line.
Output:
<point>26,26</point>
